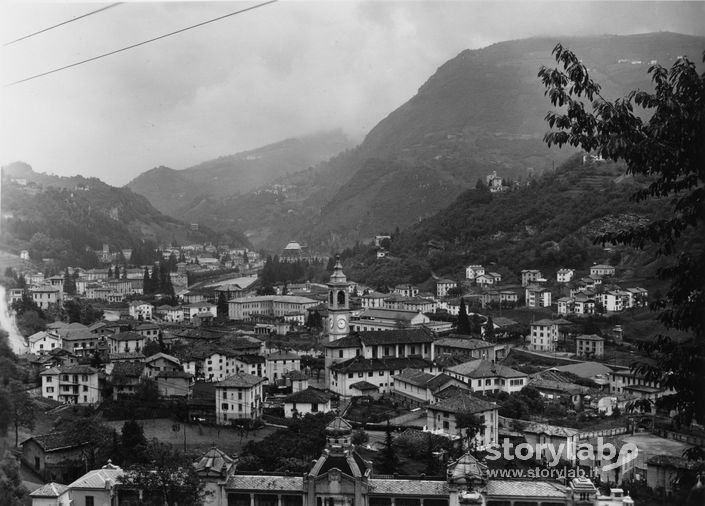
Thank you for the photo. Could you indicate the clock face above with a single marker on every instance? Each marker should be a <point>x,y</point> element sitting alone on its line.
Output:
<point>341,324</point>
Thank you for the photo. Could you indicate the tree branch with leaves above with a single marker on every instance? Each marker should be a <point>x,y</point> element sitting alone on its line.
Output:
<point>660,136</point>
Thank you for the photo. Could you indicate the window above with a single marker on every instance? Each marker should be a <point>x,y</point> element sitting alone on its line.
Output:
<point>239,395</point>
<point>85,388</point>
<point>49,379</point>
<point>50,389</point>
<point>340,353</point>
<point>314,408</point>
<point>224,406</point>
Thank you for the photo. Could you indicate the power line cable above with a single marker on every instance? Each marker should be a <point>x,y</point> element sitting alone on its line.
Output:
<point>142,43</point>
<point>63,23</point>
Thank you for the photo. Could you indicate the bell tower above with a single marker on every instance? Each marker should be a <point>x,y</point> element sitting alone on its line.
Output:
<point>338,304</point>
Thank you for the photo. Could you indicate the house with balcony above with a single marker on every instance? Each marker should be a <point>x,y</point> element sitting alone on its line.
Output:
<point>76,384</point>
<point>140,310</point>
<point>126,342</point>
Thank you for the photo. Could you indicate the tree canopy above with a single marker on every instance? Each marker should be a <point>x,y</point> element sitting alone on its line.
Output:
<point>660,136</point>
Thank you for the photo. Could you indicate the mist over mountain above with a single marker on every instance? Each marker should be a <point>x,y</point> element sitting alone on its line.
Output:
<point>482,111</point>
<point>176,191</point>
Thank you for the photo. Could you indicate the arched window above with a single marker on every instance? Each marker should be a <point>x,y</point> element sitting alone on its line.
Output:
<point>331,298</point>
<point>341,298</point>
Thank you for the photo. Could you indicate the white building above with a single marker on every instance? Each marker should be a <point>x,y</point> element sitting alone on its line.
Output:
<point>140,310</point>
<point>544,335</point>
<point>602,270</point>
<point>441,418</point>
<point>537,297</point>
<point>484,376</point>
<point>44,296</point>
<point>565,275</point>
<point>308,401</point>
<point>43,342</point>
<point>237,397</point>
<point>76,384</point>
<point>281,363</point>
<point>270,305</point>
<point>472,271</point>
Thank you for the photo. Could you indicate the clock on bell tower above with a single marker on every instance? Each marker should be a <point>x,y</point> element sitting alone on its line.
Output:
<point>338,304</point>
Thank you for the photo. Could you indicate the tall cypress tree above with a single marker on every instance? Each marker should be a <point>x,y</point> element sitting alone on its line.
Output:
<point>463,320</point>
<point>147,288</point>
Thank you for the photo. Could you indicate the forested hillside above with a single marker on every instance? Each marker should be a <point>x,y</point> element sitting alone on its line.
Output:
<point>67,218</point>
<point>549,223</point>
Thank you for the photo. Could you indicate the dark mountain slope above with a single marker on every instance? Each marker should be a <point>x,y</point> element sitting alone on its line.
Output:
<point>547,224</point>
<point>481,111</point>
<point>66,218</point>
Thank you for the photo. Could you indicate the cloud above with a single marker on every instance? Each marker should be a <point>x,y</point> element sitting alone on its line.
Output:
<point>283,70</point>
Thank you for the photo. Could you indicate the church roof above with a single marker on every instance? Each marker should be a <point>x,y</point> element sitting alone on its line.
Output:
<point>466,468</point>
<point>214,463</point>
<point>350,463</point>
<point>338,426</point>
<point>338,276</point>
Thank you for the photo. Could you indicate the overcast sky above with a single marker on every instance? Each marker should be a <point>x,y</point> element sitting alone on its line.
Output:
<point>283,70</point>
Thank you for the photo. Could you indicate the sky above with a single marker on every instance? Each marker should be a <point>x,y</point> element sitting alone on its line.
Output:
<point>282,70</point>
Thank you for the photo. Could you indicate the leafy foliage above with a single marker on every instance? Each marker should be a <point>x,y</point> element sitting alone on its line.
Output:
<point>169,477</point>
<point>304,439</point>
<point>668,149</point>
<point>12,490</point>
